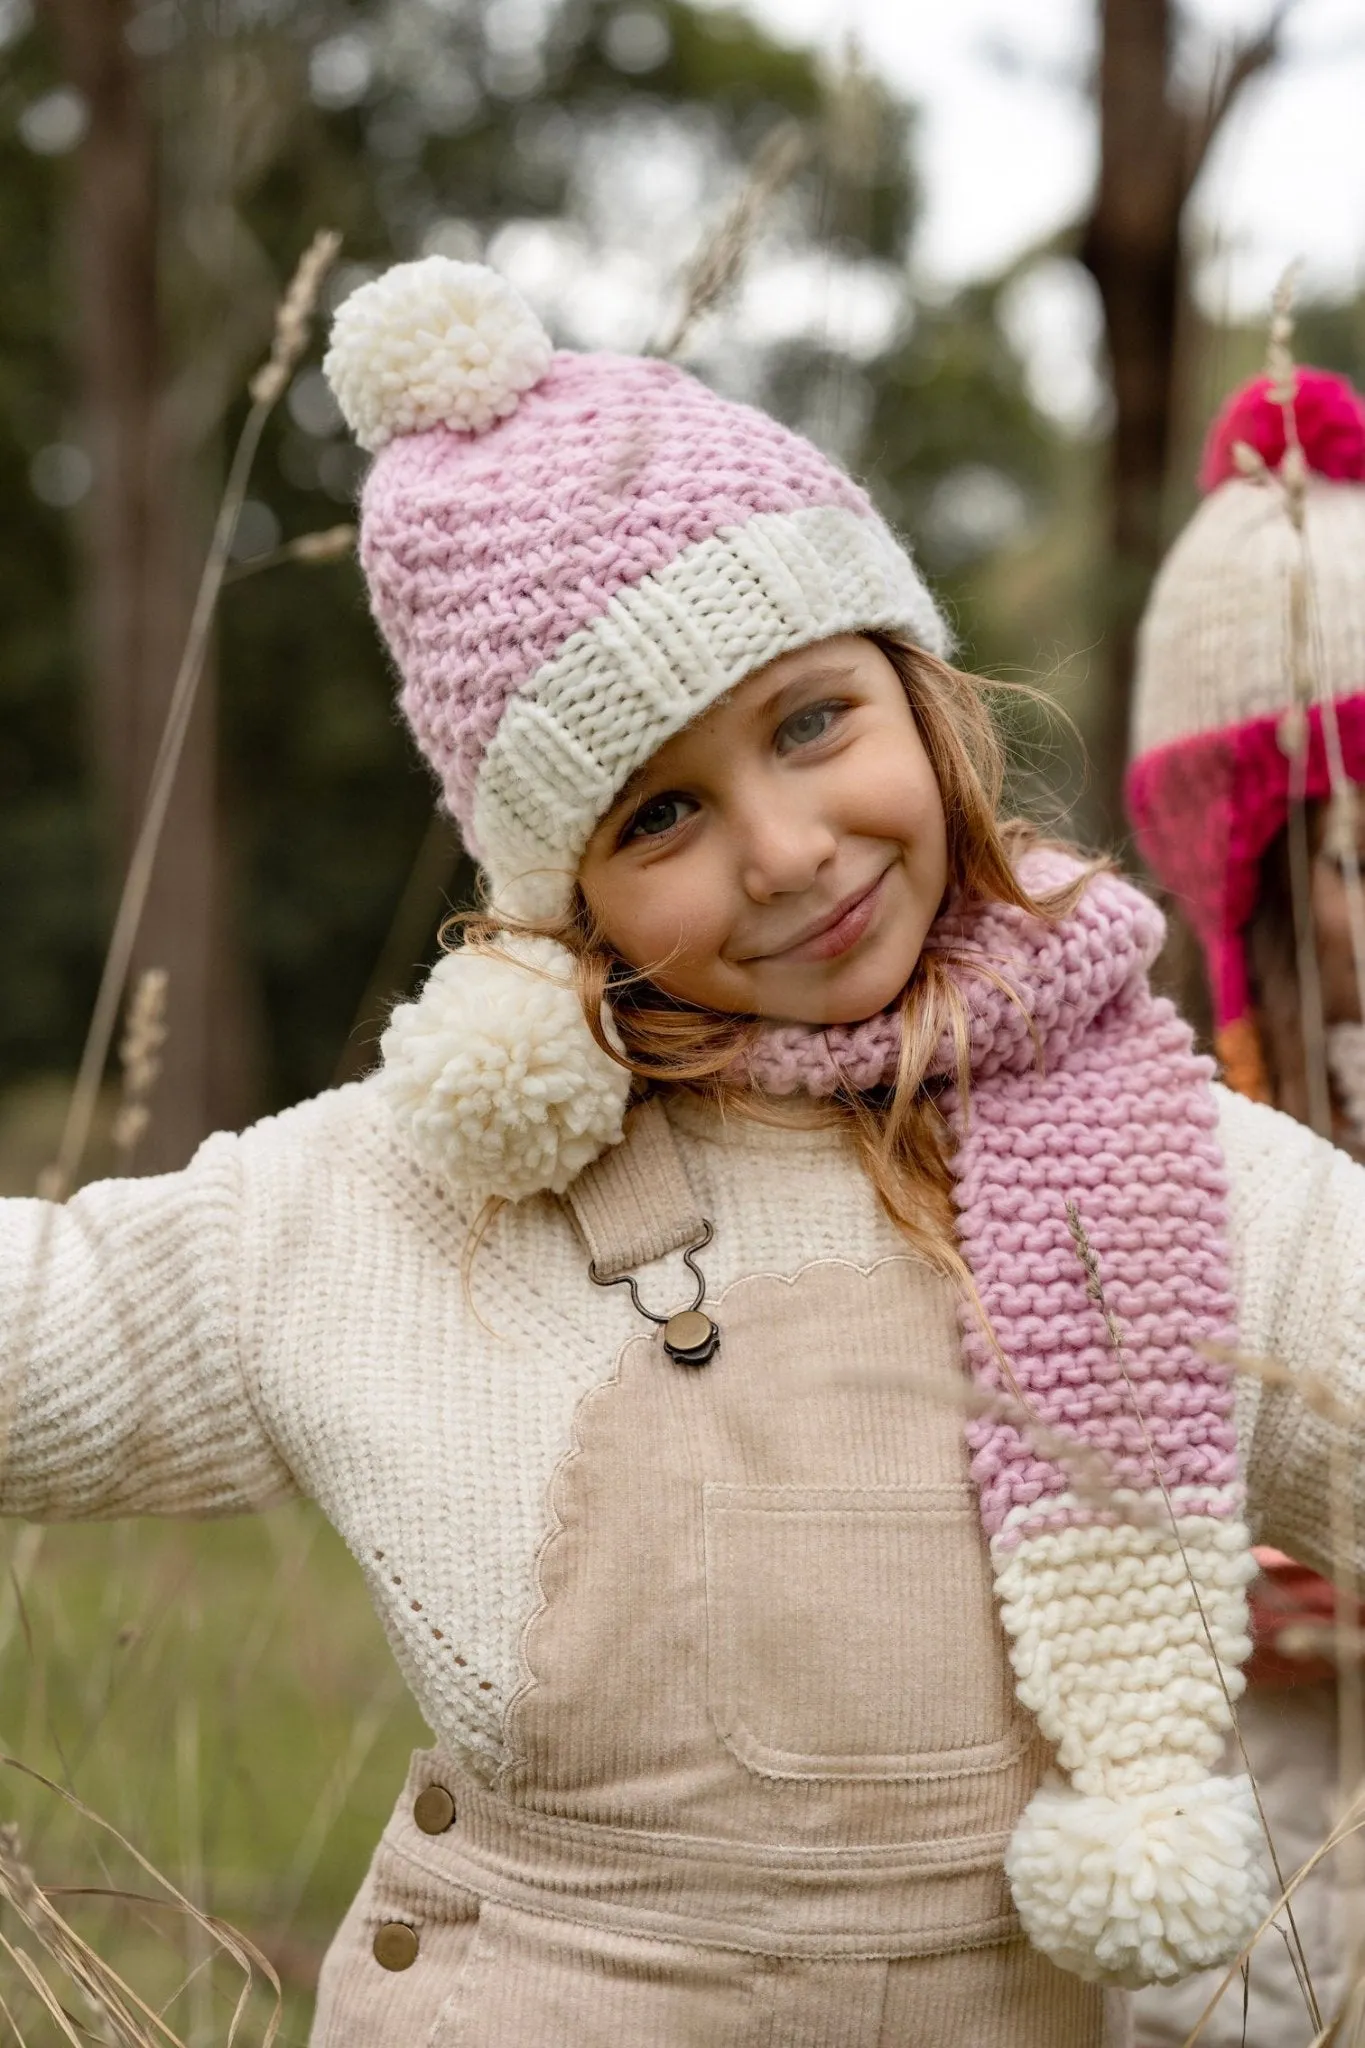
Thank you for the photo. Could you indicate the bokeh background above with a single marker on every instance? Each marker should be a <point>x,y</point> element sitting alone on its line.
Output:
<point>1025,249</point>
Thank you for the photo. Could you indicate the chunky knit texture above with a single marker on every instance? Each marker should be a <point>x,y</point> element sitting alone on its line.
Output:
<point>287,1316</point>
<point>1128,1611</point>
<point>1113,1503</point>
<point>492,1072</point>
<point>1205,809</point>
<point>1208,788</point>
<point>433,344</point>
<point>566,588</point>
<point>1329,420</point>
<point>1214,645</point>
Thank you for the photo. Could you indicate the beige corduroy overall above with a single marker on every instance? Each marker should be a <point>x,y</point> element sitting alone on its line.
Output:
<point>766,1757</point>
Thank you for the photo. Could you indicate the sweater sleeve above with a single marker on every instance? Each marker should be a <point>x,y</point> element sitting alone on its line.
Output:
<point>1297,1215</point>
<point>121,1382</point>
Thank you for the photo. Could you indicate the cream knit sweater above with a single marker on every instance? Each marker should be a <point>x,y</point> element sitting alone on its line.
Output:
<point>287,1316</point>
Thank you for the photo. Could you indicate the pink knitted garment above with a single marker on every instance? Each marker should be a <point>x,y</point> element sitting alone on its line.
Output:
<point>1085,1088</point>
<point>1205,809</point>
<point>1329,418</point>
<point>1208,788</point>
<point>485,553</point>
<point>1106,1471</point>
<point>572,556</point>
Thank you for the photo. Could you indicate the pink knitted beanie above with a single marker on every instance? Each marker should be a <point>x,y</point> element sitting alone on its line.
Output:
<point>571,556</point>
<point>1208,788</point>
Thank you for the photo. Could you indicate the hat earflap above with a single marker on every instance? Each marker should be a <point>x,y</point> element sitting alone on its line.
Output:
<point>495,1076</point>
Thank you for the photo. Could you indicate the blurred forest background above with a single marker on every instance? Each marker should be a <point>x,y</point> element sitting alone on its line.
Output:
<point>222,1695</point>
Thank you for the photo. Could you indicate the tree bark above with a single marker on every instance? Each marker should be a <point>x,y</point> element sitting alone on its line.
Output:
<point>1152,146</point>
<point>141,531</point>
<point>1131,247</point>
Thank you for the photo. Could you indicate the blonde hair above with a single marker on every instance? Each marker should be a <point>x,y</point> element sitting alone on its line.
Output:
<point>901,1134</point>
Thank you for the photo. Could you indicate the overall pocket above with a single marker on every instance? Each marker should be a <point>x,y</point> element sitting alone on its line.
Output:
<point>852,1633</point>
<point>534,1981</point>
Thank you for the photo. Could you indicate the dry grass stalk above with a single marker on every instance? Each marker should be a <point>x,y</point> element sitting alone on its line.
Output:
<point>714,269</point>
<point>1345,1635</point>
<point>1342,835</point>
<point>1306,1641</point>
<point>128,2022</point>
<point>111,2005</point>
<point>293,321</point>
<point>331,544</point>
<point>144,1037</point>
<point>854,115</point>
<point>290,338</point>
<point>1305,674</point>
<point>1312,1389</point>
<point>416,915</point>
<point>1347,1827</point>
<point>1290,481</point>
<point>1094,1287</point>
<point>627,459</point>
<point>366,1730</point>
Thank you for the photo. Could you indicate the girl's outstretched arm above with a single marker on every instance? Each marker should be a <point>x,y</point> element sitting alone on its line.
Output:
<point>121,1380</point>
<point>1298,1252</point>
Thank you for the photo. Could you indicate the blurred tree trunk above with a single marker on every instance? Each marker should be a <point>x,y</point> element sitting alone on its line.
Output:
<point>1153,142</point>
<point>145,521</point>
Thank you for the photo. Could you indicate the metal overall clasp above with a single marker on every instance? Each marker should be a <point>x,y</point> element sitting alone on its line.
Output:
<point>690,1337</point>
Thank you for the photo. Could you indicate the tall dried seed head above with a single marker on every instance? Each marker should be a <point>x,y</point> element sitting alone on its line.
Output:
<point>854,113</point>
<point>714,269</point>
<point>144,1039</point>
<point>294,317</point>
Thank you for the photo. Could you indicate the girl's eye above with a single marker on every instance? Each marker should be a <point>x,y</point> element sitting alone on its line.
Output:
<point>812,723</point>
<point>659,814</point>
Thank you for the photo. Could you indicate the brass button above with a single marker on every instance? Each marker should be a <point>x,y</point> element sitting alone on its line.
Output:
<point>691,1338</point>
<point>395,1946</point>
<point>433,1810</point>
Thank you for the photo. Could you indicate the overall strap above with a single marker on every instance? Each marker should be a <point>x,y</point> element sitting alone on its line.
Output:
<point>634,1205</point>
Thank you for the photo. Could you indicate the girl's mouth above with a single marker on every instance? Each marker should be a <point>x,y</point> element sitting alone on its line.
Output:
<point>841,930</point>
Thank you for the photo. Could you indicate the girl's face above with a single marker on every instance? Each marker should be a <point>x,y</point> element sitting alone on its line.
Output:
<point>785,855</point>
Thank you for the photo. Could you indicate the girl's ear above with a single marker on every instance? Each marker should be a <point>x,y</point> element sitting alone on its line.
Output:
<point>495,1077</point>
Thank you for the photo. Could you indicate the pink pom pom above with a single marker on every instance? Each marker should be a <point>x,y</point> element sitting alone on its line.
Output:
<point>1330,415</point>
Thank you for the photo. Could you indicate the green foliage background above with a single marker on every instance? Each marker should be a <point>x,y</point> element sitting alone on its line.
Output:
<point>327,803</point>
<point>223,1695</point>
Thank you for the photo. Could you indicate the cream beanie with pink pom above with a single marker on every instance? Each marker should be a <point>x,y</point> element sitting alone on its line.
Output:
<point>570,557</point>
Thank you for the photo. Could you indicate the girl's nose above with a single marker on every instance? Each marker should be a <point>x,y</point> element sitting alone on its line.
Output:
<point>783,852</point>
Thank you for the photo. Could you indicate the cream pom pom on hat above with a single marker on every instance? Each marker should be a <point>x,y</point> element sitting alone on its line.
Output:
<point>570,556</point>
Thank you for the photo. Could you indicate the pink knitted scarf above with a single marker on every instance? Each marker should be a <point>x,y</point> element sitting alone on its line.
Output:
<point>1085,1090</point>
<point>1107,1472</point>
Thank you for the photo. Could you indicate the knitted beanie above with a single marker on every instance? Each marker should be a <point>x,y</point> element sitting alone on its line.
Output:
<point>1244,597</point>
<point>570,557</point>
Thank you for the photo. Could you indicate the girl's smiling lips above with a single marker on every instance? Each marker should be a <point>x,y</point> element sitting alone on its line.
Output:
<point>838,931</point>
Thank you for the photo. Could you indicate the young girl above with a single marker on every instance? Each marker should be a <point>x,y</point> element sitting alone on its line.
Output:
<point>1210,790</point>
<point>766,1330</point>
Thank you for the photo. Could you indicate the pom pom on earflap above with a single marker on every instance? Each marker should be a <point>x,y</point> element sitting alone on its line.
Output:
<point>433,344</point>
<point>496,1076</point>
<point>1329,415</point>
<point>1142,1889</point>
